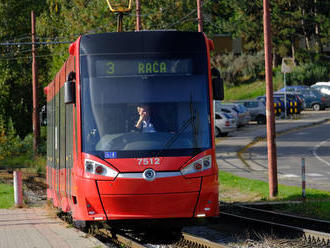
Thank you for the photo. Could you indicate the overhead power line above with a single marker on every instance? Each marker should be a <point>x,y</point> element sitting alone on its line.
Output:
<point>30,57</point>
<point>181,20</point>
<point>36,43</point>
<point>20,37</point>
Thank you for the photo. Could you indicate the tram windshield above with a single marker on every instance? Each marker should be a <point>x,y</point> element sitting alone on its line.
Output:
<point>172,92</point>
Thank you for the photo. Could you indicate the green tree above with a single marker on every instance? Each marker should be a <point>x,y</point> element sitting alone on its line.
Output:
<point>15,62</point>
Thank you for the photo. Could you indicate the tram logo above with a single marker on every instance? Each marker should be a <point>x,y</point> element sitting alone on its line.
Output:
<point>149,174</point>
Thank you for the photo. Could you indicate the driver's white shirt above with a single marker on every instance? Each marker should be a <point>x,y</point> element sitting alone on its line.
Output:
<point>147,127</point>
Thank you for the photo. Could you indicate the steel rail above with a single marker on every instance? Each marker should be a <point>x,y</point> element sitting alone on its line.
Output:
<point>188,240</point>
<point>122,239</point>
<point>309,235</point>
<point>308,220</point>
<point>194,241</point>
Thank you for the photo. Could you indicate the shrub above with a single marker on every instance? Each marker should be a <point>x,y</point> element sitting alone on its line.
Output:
<point>237,69</point>
<point>10,142</point>
<point>308,74</point>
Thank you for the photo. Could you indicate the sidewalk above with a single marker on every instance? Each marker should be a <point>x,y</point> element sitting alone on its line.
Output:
<point>34,228</point>
<point>227,148</point>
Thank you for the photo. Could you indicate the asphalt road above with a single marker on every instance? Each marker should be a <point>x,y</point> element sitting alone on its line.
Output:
<point>313,144</point>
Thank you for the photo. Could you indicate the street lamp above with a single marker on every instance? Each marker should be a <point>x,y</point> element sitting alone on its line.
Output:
<point>120,6</point>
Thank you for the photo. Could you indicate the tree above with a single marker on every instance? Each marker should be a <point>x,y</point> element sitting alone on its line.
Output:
<point>15,64</point>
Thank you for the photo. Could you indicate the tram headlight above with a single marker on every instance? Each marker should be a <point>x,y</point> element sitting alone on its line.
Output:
<point>198,165</point>
<point>99,169</point>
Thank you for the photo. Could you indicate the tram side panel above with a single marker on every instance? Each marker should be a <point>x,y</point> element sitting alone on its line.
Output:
<point>60,141</point>
<point>50,139</point>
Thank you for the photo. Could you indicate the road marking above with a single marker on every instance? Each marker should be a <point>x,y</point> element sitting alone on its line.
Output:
<point>302,133</point>
<point>317,156</point>
<point>314,175</point>
<point>288,176</point>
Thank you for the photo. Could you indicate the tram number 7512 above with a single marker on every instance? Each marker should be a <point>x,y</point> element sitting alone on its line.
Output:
<point>148,161</point>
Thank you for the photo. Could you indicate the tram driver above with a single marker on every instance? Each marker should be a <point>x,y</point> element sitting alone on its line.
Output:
<point>145,122</point>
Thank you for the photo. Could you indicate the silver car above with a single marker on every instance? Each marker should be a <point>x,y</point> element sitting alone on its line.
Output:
<point>223,124</point>
<point>257,110</point>
<point>242,116</point>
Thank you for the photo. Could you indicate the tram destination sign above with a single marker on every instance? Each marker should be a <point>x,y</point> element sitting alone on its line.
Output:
<point>142,67</point>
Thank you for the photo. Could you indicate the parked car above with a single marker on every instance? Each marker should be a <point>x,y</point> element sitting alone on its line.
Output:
<point>256,108</point>
<point>323,83</point>
<point>223,124</point>
<point>245,112</point>
<point>313,99</point>
<point>324,90</point>
<point>219,107</point>
<point>294,88</point>
<point>240,113</point>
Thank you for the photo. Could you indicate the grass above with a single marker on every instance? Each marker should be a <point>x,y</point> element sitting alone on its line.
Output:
<point>259,189</point>
<point>6,196</point>
<point>238,189</point>
<point>318,209</point>
<point>250,91</point>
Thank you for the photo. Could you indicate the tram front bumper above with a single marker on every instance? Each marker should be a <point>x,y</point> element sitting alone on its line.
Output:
<point>127,198</point>
<point>178,205</point>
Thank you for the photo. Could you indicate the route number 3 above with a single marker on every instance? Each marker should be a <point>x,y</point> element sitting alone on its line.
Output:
<point>148,161</point>
<point>110,68</point>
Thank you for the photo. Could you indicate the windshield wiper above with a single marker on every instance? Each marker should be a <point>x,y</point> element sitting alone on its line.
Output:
<point>194,127</point>
<point>191,120</point>
<point>173,138</point>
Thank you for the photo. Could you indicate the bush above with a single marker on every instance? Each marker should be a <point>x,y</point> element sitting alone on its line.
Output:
<point>18,153</point>
<point>237,69</point>
<point>10,142</point>
<point>308,74</point>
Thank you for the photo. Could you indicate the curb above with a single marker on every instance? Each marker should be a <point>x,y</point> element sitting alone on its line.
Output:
<point>279,133</point>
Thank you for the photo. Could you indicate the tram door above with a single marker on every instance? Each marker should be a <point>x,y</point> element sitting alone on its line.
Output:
<point>62,144</point>
<point>69,136</point>
<point>57,199</point>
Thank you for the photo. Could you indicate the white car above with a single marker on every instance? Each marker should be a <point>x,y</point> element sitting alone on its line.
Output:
<point>223,124</point>
<point>221,108</point>
<point>323,83</point>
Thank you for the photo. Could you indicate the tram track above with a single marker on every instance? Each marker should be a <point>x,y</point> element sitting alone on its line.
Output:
<point>186,241</point>
<point>189,240</point>
<point>313,231</point>
<point>133,239</point>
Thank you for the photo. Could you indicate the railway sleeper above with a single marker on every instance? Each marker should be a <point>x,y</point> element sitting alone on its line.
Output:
<point>317,240</point>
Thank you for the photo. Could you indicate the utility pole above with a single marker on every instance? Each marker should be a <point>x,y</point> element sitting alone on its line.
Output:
<point>200,15</point>
<point>272,160</point>
<point>35,116</point>
<point>138,15</point>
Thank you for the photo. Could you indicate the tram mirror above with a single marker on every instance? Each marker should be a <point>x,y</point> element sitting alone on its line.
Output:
<point>70,89</point>
<point>217,84</point>
<point>43,116</point>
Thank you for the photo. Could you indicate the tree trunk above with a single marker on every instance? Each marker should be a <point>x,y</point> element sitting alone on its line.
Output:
<point>292,50</point>
<point>317,28</point>
<point>304,29</point>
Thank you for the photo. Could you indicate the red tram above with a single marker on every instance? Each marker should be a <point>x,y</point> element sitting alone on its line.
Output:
<point>100,165</point>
